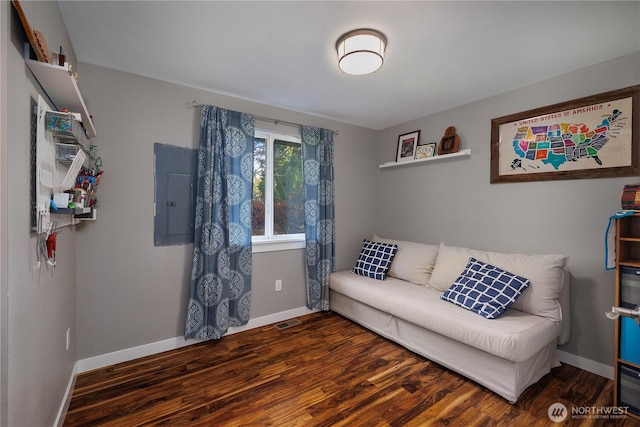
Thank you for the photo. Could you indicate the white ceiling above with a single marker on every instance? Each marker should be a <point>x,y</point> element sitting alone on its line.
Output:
<point>439,54</point>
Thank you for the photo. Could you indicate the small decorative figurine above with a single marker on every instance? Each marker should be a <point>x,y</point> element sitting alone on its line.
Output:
<point>449,142</point>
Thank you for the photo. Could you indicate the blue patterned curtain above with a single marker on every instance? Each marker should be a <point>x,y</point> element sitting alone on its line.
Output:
<point>221,272</point>
<point>317,167</point>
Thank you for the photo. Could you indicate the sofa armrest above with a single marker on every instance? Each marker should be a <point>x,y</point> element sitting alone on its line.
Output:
<point>565,304</point>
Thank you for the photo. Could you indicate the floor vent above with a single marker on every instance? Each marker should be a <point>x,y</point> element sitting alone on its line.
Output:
<point>287,324</point>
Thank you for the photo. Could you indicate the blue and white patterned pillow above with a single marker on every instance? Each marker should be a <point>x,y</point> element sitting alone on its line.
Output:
<point>375,259</point>
<point>485,289</point>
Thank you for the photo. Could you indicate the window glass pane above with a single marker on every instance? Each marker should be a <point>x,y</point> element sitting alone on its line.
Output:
<point>288,190</point>
<point>259,169</point>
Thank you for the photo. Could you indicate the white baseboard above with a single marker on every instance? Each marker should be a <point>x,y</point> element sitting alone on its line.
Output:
<point>586,364</point>
<point>127,354</point>
<point>177,342</point>
<point>64,406</point>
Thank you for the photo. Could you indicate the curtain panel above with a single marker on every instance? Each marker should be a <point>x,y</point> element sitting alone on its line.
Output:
<point>220,289</point>
<point>317,168</point>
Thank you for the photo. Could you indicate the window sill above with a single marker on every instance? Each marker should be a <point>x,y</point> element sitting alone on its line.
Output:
<point>270,245</point>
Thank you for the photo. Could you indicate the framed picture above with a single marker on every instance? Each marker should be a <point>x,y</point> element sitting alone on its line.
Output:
<point>407,144</point>
<point>426,150</point>
<point>592,137</point>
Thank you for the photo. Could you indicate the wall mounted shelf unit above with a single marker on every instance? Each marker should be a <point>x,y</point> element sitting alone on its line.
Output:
<point>61,87</point>
<point>54,150</point>
<point>460,153</point>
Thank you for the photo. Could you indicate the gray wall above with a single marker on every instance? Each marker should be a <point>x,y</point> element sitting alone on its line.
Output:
<point>131,293</point>
<point>41,303</point>
<point>452,201</point>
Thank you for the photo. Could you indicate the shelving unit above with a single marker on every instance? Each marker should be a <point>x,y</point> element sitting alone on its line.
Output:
<point>54,159</point>
<point>460,153</point>
<point>61,87</point>
<point>627,332</point>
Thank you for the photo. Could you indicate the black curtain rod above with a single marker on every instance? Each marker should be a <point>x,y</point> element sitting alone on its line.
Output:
<point>195,104</point>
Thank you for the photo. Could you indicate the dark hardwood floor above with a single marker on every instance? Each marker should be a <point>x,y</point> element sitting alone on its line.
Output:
<point>326,371</point>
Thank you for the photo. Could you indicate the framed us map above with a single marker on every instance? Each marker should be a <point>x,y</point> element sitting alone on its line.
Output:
<point>592,137</point>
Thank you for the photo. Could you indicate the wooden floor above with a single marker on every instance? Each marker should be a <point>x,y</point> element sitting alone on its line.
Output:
<point>326,371</point>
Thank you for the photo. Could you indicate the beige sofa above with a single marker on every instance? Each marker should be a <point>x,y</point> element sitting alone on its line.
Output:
<point>506,354</point>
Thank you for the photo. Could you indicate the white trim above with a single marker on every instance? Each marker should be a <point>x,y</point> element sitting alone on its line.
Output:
<point>586,364</point>
<point>64,406</point>
<point>127,354</point>
<point>285,244</point>
<point>268,183</point>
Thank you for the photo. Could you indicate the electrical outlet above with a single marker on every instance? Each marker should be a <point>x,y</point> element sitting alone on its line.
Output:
<point>278,285</point>
<point>68,338</point>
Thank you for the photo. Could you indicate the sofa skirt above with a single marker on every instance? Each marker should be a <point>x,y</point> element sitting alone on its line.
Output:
<point>504,377</point>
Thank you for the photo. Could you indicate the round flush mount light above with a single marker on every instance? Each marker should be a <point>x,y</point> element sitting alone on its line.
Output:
<point>361,51</point>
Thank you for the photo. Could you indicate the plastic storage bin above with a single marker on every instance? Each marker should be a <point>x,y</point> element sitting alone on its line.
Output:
<point>629,388</point>
<point>65,128</point>
<point>629,340</point>
<point>630,287</point>
<point>66,153</point>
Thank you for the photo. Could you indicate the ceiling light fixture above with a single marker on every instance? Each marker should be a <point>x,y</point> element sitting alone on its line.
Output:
<point>361,51</point>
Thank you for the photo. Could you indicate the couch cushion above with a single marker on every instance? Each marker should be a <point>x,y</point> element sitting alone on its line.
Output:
<point>546,273</point>
<point>485,289</point>
<point>514,336</point>
<point>413,261</point>
<point>374,259</point>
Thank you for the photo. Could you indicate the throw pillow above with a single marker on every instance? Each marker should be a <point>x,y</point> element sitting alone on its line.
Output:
<point>545,272</point>
<point>485,289</point>
<point>374,259</point>
<point>413,261</point>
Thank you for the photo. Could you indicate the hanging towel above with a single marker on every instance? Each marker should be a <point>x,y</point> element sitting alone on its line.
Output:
<point>610,239</point>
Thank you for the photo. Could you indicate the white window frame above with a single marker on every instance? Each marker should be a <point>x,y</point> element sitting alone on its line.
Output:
<point>270,242</point>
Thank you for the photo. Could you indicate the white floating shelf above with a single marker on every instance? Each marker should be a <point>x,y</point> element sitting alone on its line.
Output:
<point>63,90</point>
<point>466,152</point>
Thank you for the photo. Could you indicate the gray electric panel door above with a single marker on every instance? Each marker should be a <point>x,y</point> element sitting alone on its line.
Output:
<point>175,186</point>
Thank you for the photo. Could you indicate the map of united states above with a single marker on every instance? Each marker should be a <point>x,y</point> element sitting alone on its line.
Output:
<point>558,143</point>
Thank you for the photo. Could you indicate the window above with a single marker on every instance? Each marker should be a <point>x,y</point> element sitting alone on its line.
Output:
<point>278,192</point>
